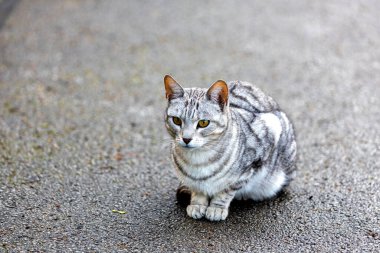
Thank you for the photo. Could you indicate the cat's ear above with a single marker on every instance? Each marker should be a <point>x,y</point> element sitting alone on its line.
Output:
<point>172,88</point>
<point>218,92</point>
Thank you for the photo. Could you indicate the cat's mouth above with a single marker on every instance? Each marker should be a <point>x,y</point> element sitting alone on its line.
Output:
<point>188,146</point>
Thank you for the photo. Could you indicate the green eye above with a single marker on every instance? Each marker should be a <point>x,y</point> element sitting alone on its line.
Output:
<point>203,123</point>
<point>177,121</point>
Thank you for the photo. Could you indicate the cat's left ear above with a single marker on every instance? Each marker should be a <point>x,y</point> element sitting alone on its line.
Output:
<point>172,88</point>
<point>218,92</point>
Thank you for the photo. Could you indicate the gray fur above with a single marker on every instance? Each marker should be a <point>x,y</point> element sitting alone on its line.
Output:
<point>248,151</point>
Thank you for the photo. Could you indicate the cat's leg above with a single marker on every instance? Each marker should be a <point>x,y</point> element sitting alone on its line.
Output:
<point>198,205</point>
<point>218,209</point>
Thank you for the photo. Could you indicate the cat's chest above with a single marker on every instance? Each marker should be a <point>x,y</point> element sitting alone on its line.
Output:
<point>208,171</point>
<point>197,157</point>
<point>198,165</point>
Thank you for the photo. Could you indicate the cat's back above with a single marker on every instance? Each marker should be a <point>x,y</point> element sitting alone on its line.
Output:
<point>245,97</point>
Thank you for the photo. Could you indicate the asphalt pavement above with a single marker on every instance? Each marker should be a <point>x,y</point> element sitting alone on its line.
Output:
<point>82,134</point>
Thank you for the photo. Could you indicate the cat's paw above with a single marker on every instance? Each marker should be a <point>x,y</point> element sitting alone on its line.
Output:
<point>196,211</point>
<point>216,213</point>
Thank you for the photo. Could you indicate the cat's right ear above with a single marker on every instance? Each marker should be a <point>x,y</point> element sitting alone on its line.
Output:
<point>172,88</point>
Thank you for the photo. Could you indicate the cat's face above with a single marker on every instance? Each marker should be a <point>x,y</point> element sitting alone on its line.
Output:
<point>196,117</point>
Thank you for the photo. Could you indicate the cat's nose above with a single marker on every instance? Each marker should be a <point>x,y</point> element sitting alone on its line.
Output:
<point>186,140</point>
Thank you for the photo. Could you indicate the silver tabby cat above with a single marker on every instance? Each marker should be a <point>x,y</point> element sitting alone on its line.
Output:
<point>229,141</point>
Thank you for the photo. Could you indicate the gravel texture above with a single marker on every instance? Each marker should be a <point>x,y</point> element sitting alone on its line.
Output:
<point>82,133</point>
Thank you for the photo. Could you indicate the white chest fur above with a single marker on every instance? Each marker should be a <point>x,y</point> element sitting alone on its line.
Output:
<point>207,170</point>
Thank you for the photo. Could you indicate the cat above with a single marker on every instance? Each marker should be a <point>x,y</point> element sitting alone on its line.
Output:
<point>229,141</point>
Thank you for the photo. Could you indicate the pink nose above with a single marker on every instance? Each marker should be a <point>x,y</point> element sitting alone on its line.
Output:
<point>186,140</point>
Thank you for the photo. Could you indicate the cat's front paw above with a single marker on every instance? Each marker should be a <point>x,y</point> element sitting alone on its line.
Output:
<point>216,213</point>
<point>196,211</point>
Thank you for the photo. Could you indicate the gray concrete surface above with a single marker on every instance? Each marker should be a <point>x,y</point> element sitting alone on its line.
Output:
<point>6,7</point>
<point>81,122</point>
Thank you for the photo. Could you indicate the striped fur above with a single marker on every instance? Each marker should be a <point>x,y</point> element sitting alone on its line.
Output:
<point>247,151</point>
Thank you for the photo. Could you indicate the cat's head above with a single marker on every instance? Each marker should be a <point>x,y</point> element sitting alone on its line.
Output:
<point>196,117</point>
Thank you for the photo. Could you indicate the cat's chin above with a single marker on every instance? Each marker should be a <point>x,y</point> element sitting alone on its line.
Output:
<point>189,148</point>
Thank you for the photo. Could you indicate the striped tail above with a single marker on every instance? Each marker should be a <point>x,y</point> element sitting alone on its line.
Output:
<point>287,147</point>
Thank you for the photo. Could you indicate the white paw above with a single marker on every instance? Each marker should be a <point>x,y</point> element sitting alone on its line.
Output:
<point>216,213</point>
<point>196,211</point>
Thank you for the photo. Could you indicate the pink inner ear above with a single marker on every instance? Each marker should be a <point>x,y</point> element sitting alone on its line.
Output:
<point>175,90</point>
<point>172,88</point>
<point>218,92</point>
<point>215,93</point>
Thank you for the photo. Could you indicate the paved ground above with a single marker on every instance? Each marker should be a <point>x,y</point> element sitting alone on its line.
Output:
<point>81,130</point>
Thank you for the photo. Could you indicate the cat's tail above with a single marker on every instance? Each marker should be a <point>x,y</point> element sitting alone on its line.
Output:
<point>288,149</point>
<point>183,195</point>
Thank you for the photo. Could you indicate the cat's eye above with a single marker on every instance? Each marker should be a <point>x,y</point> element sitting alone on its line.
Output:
<point>177,121</point>
<point>203,123</point>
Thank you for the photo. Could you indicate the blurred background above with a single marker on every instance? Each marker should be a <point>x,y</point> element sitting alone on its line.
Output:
<point>81,121</point>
